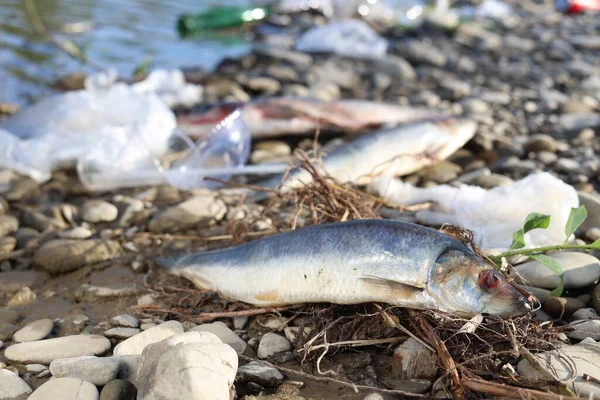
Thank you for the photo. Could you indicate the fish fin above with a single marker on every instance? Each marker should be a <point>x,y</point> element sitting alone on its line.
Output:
<point>394,289</point>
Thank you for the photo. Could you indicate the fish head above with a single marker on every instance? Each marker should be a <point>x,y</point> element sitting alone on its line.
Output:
<point>466,284</point>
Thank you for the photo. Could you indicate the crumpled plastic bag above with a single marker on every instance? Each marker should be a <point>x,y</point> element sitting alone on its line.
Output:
<point>171,87</point>
<point>492,215</point>
<point>105,118</point>
<point>351,38</point>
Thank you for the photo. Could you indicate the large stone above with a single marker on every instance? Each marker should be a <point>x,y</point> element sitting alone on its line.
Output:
<point>271,344</point>
<point>592,205</point>
<point>413,360</point>
<point>64,255</point>
<point>12,387</point>
<point>569,362</point>
<point>36,330</point>
<point>65,389</point>
<point>129,367</point>
<point>46,351</point>
<point>197,212</point>
<point>260,372</point>
<point>580,270</point>
<point>226,335</point>
<point>121,332</point>
<point>96,211</point>
<point>118,390</point>
<point>137,343</point>
<point>192,365</point>
<point>97,370</point>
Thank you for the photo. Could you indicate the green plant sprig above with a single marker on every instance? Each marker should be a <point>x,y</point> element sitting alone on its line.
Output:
<point>541,221</point>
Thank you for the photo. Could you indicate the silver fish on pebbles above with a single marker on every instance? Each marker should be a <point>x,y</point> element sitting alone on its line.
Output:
<point>355,262</point>
<point>395,151</point>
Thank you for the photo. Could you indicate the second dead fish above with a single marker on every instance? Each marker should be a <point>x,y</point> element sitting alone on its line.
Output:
<point>395,151</point>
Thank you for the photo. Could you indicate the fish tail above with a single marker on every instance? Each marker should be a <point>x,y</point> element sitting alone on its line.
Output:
<point>188,266</point>
<point>172,264</point>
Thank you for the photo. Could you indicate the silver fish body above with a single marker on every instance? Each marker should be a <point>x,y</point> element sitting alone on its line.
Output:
<point>354,262</point>
<point>394,151</point>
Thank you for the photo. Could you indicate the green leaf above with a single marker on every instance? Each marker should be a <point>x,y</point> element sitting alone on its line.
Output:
<point>576,218</point>
<point>559,289</point>
<point>518,240</point>
<point>536,221</point>
<point>556,269</point>
<point>549,262</point>
<point>595,245</point>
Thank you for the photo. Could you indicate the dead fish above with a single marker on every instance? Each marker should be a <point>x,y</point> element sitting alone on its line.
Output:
<point>275,116</point>
<point>355,262</point>
<point>395,151</point>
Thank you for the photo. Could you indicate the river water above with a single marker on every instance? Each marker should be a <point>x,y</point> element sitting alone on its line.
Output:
<point>123,34</point>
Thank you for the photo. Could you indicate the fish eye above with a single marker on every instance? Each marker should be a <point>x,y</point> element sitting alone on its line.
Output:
<point>489,279</point>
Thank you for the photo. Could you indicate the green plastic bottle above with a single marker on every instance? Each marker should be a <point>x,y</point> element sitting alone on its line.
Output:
<point>219,18</point>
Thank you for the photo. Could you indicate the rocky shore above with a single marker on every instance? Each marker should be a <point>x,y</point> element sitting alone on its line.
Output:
<point>86,314</point>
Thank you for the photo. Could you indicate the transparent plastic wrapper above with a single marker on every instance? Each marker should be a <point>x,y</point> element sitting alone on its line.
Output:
<point>492,215</point>
<point>59,130</point>
<point>351,38</point>
<point>220,155</point>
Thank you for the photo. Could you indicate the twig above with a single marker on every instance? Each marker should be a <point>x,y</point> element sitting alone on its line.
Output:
<point>67,47</point>
<point>359,343</point>
<point>440,348</point>
<point>352,386</point>
<point>253,311</point>
<point>513,392</point>
<point>536,250</point>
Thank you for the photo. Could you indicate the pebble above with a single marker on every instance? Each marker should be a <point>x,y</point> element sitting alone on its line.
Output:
<point>97,211</point>
<point>567,165</point>
<point>209,372</point>
<point>475,106</point>
<point>65,389</point>
<point>373,396</point>
<point>585,329</point>
<point>121,332</point>
<point>585,313</point>
<point>8,316</point>
<point>491,181</point>
<point>592,204</point>
<point>569,362</point>
<point>271,344</point>
<point>198,212</point>
<point>578,121</point>
<point>76,233</point>
<point>538,143</point>
<point>442,172</point>
<point>137,343</point>
<point>418,52</point>
<point>35,368</point>
<point>125,320</point>
<point>65,255</point>
<point>48,350</point>
<point>12,387</point>
<point>413,360</point>
<point>13,281</point>
<point>7,330</point>
<point>118,389</point>
<point>546,157</point>
<point>96,370</point>
<point>262,373</point>
<point>8,224</point>
<point>33,331</point>
<point>580,270</point>
<point>7,245</point>
<point>226,335</point>
<point>24,296</point>
<point>560,307</point>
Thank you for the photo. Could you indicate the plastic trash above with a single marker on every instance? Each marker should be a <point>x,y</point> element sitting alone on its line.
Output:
<point>351,38</point>
<point>171,87</point>
<point>576,6</point>
<point>104,117</point>
<point>221,154</point>
<point>492,215</point>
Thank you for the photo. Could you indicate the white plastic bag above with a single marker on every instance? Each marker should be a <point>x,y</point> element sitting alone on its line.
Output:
<point>351,38</point>
<point>493,215</point>
<point>104,118</point>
